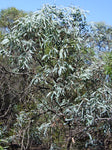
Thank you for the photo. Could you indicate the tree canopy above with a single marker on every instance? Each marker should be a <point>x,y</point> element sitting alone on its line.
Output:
<point>8,16</point>
<point>54,84</point>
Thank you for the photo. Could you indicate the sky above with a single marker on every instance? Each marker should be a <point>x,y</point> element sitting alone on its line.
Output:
<point>99,10</point>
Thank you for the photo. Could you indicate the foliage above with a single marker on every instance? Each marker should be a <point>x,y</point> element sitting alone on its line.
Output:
<point>108,66</point>
<point>8,16</point>
<point>2,141</point>
<point>1,36</point>
<point>57,87</point>
<point>102,35</point>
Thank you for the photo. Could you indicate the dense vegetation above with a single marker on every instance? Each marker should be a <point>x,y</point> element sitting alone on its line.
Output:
<point>55,82</point>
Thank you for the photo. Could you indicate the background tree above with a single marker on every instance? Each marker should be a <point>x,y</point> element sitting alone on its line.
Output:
<point>101,42</point>
<point>8,16</point>
<point>102,34</point>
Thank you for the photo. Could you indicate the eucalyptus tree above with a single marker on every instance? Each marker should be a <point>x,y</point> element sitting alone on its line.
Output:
<point>104,43</point>
<point>101,42</point>
<point>63,84</point>
<point>102,36</point>
<point>108,66</point>
<point>8,16</point>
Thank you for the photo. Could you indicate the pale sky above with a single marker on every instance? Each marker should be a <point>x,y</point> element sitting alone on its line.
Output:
<point>99,10</point>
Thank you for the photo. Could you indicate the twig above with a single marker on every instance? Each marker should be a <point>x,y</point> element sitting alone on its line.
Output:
<point>6,112</point>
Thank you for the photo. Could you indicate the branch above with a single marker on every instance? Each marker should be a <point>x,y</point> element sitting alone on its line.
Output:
<point>69,143</point>
<point>17,73</point>
<point>6,112</point>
